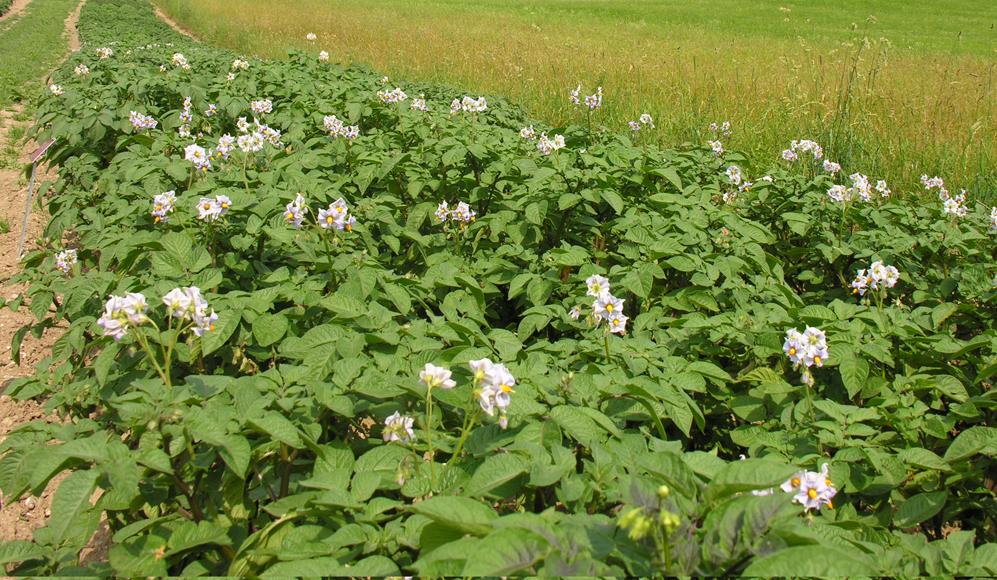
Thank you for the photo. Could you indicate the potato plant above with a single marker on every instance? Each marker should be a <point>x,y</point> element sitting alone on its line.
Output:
<point>382,330</point>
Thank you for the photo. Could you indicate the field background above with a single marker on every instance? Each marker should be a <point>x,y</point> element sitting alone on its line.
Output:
<point>892,88</point>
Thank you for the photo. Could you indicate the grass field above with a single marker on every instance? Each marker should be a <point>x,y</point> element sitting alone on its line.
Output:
<point>30,45</point>
<point>893,90</point>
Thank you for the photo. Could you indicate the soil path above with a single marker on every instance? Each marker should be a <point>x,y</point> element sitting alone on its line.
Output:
<point>73,34</point>
<point>19,519</point>
<point>172,24</point>
<point>16,8</point>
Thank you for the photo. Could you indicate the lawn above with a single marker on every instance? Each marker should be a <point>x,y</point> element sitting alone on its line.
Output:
<point>318,323</point>
<point>30,44</point>
<point>892,90</point>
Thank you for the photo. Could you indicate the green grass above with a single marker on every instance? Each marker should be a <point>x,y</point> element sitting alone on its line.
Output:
<point>892,89</point>
<point>30,45</point>
<point>10,151</point>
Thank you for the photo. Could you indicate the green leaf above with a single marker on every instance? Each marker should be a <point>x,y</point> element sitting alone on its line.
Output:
<point>577,424</point>
<point>971,442</point>
<point>817,313</point>
<point>951,387</point>
<point>20,551</point>
<point>495,471</point>
<point>236,453</point>
<point>639,280</point>
<point>71,501</point>
<point>456,512</point>
<point>309,568</point>
<point>810,561</point>
<point>189,535</point>
<point>854,374</point>
<point>508,551</point>
<point>228,321</point>
<point>376,566</point>
<point>671,175</point>
<point>280,428</point>
<point>919,508</point>
<point>923,458</point>
<point>269,328</point>
<point>178,245</point>
<point>682,263</point>
<point>506,343</point>
<point>747,475</point>
<point>613,199</point>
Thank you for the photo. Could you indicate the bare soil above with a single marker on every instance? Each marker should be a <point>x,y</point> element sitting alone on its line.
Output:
<point>16,8</point>
<point>19,519</point>
<point>172,24</point>
<point>73,35</point>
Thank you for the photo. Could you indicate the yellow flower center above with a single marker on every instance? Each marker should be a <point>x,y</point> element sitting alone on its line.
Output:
<point>505,388</point>
<point>812,493</point>
<point>817,360</point>
<point>329,219</point>
<point>792,351</point>
<point>795,482</point>
<point>609,308</point>
<point>348,228</point>
<point>207,206</point>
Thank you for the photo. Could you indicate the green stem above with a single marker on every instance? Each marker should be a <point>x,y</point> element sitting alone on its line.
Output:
<point>668,554</point>
<point>813,419</point>
<point>152,358</point>
<point>328,253</point>
<point>285,478</point>
<point>173,341</point>
<point>245,178</point>
<point>810,406</point>
<point>429,439</point>
<point>605,338</point>
<point>469,420</point>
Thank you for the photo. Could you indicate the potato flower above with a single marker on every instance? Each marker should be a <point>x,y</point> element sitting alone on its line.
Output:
<point>294,212</point>
<point>398,428</point>
<point>122,313</point>
<point>433,376</point>
<point>162,206</point>
<point>65,260</point>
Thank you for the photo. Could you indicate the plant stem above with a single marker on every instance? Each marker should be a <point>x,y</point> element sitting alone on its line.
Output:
<point>810,405</point>
<point>172,343</point>
<point>245,178</point>
<point>668,554</point>
<point>285,477</point>
<point>429,438</point>
<point>813,419</point>
<point>605,341</point>
<point>469,421</point>
<point>328,253</point>
<point>152,358</point>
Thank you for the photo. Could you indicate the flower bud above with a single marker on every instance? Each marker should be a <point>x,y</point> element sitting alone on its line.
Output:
<point>663,491</point>
<point>669,521</point>
<point>641,527</point>
<point>629,518</point>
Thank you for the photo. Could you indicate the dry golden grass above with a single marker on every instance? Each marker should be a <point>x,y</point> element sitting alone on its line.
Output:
<point>886,111</point>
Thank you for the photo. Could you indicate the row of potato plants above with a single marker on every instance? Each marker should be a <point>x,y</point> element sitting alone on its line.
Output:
<point>315,324</point>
